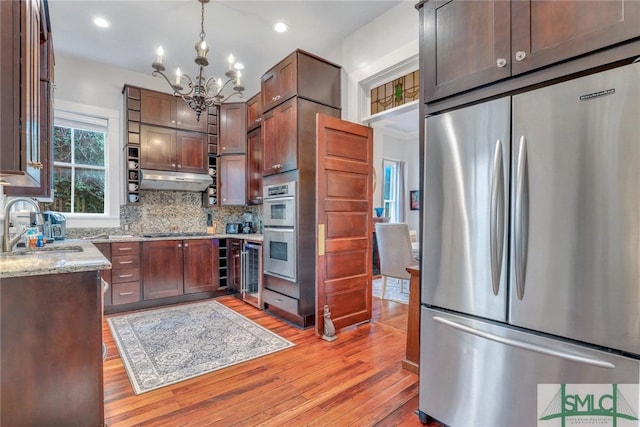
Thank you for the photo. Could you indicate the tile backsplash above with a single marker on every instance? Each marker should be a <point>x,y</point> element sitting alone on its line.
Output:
<point>163,211</point>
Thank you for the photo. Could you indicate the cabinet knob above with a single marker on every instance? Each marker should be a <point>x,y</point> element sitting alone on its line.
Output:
<point>501,62</point>
<point>259,119</point>
<point>186,245</point>
<point>173,165</point>
<point>179,165</point>
<point>35,165</point>
<point>179,245</point>
<point>520,55</point>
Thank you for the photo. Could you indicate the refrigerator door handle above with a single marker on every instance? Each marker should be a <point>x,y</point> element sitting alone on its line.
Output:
<point>548,351</point>
<point>521,217</point>
<point>496,222</point>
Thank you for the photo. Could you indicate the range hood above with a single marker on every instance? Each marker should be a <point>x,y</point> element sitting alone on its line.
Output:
<point>181,181</point>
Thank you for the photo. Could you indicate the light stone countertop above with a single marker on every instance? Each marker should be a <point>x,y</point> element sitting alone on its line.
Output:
<point>254,237</point>
<point>65,256</point>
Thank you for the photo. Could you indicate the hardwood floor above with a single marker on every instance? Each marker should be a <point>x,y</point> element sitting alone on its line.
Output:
<point>356,380</point>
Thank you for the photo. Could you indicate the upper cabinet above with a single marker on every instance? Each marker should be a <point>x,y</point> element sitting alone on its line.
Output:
<point>304,75</point>
<point>170,111</point>
<point>254,112</point>
<point>168,149</point>
<point>233,128</point>
<point>26,75</point>
<point>468,44</point>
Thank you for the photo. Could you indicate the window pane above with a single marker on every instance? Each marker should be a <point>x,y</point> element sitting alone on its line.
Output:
<point>61,144</point>
<point>89,191</point>
<point>61,190</point>
<point>89,147</point>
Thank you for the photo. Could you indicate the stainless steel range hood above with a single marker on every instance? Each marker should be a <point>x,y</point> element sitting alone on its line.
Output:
<point>180,181</point>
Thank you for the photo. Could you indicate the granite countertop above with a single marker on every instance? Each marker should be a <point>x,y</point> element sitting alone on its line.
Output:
<point>255,237</point>
<point>67,256</point>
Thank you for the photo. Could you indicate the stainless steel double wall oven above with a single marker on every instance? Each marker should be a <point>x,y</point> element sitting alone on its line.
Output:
<point>279,210</point>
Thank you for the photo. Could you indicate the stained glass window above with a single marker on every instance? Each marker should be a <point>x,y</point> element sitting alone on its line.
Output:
<point>396,92</point>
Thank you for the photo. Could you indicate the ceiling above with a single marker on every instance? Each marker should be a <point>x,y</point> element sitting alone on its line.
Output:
<point>244,28</point>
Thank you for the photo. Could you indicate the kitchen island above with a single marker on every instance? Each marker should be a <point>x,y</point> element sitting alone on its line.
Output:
<point>51,334</point>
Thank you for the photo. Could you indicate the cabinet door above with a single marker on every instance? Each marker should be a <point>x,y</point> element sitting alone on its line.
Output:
<point>162,269</point>
<point>187,120</point>
<point>287,142</point>
<point>466,45</point>
<point>200,265</point>
<point>254,168</point>
<point>254,112</point>
<point>191,152</point>
<point>269,89</point>
<point>233,128</point>
<point>546,32</point>
<point>157,108</point>
<point>269,131</point>
<point>233,180</point>
<point>288,77</point>
<point>280,138</point>
<point>157,148</point>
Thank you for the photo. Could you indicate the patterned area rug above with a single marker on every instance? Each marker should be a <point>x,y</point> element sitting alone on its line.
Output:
<point>168,345</point>
<point>393,292</point>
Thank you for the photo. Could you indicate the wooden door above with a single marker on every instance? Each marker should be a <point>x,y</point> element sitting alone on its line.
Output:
<point>269,131</point>
<point>254,112</point>
<point>287,142</point>
<point>200,265</point>
<point>464,40</point>
<point>546,32</point>
<point>186,118</point>
<point>157,148</point>
<point>191,152</point>
<point>162,269</point>
<point>157,108</point>
<point>344,178</point>
<point>233,128</point>
<point>254,168</point>
<point>232,178</point>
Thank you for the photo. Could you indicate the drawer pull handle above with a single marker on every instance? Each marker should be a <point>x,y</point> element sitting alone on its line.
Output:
<point>126,262</point>
<point>126,293</point>
<point>123,276</point>
<point>125,249</point>
<point>278,299</point>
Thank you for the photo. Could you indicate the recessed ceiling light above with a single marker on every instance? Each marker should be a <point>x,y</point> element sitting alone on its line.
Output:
<point>280,27</point>
<point>101,22</point>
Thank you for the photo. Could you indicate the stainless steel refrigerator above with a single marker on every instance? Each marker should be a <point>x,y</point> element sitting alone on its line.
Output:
<point>531,254</point>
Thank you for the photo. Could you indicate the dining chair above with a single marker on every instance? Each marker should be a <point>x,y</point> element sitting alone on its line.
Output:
<point>394,248</point>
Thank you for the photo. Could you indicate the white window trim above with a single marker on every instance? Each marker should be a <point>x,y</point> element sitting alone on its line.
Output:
<point>113,167</point>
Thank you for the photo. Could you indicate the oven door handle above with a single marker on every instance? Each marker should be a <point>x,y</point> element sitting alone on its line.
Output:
<point>284,229</point>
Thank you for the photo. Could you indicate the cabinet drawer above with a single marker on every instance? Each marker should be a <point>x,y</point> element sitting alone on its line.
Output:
<point>125,275</point>
<point>123,293</point>
<point>125,248</point>
<point>283,302</point>
<point>119,262</point>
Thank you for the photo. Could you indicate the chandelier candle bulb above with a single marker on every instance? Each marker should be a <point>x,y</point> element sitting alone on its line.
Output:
<point>178,76</point>
<point>231,60</point>
<point>160,53</point>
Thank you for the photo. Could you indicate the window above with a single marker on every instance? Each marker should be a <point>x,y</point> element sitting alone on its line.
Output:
<point>78,164</point>
<point>85,187</point>
<point>393,184</point>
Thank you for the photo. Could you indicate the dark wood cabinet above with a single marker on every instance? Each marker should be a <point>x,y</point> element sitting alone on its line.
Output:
<point>105,248</point>
<point>233,128</point>
<point>26,76</point>
<point>254,167</point>
<point>232,179</point>
<point>200,265</point>
<point>125,273</point>
<point>469,44</point>
<point>304,75</point>
<point>280,138</point>
<point>167,149</point>
<point>162,269</point>
<point>51,364</point>
<point>177,267</point>
<point>254,112</point>
<point>166,110</point>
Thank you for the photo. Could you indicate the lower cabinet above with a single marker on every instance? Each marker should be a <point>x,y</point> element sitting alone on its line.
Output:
<point>125,273</point>
<point>234,249</point>
<point>175,267</point>
<point>51,356</point>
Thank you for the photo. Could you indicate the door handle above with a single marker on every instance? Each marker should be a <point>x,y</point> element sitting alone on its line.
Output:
<point>522,218</point>
<point>496,222</point>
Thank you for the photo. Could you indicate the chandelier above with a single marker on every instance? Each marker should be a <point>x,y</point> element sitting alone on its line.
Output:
<point>201,93</point>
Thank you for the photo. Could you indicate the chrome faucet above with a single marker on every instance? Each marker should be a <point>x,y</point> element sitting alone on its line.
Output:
<point>9,243</point>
